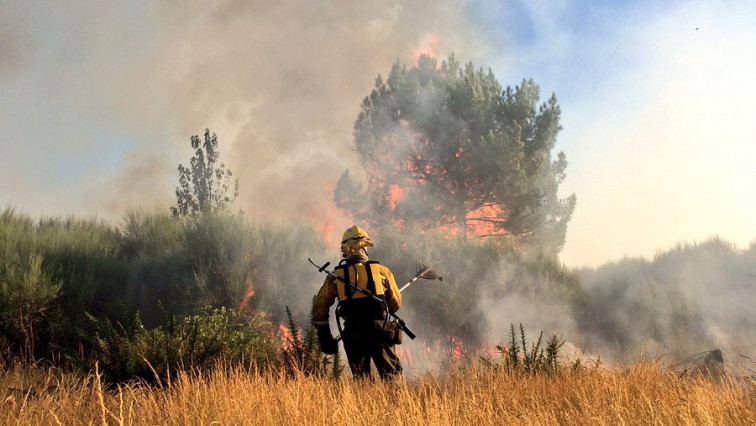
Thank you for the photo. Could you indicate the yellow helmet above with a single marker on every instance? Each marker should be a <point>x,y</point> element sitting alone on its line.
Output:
<point>354,239</point>
<point>355,232</point>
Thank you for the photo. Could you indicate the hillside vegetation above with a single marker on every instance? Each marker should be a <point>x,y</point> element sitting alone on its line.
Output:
<point>181,292</point>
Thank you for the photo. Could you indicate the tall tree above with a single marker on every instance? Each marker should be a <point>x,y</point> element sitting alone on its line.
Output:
<point>205,186</point>
<point>445,147</point>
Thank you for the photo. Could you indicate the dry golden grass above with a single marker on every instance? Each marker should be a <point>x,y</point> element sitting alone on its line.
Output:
<point>643,394</point>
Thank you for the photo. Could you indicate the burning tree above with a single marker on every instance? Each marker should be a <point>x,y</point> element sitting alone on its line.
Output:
<point>445,147</point>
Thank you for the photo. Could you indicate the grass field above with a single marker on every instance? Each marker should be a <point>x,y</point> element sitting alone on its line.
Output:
<point>642,394</point>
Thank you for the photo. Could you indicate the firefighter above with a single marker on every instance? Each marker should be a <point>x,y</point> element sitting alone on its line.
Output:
<point>367,332</point>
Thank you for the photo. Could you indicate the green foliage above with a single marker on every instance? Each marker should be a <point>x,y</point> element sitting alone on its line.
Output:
<point>151,235</point>
<point>204,186</point>
<point>195,343</point>
<point>214,260</point>
<point>531,359</point>
<point>152,260</point>
<point>27,294</point>
<point>82,255</point>
<point>463,153</point>
<point>338,368</point>
<point>79,257</point>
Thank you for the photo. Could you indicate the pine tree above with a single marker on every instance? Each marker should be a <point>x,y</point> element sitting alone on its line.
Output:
<point>445,147</point>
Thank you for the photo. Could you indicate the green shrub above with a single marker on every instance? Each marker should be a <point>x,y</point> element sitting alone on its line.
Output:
<point>193,343</point>
<point>521,357</point>
<point>27,295</point>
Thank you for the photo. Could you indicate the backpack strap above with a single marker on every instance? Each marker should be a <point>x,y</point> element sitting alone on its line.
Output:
<point>371,278</point>
<point>371,284</point>
<point>348,289</point>
<point>338,319</point>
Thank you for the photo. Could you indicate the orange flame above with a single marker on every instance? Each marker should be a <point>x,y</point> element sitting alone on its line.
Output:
<point>404,355</point>
<point>287,338</point>
<point>394,196</point>
<point>482,221</point>
<point>435,353</point>
<point>324,217</point>
<point>456,348</point>
<point>248,295</point>
<point>326,230</point>
<point>428,46</point>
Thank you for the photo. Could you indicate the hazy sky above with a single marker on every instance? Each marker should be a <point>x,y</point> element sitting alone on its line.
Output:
<point>98,101</point>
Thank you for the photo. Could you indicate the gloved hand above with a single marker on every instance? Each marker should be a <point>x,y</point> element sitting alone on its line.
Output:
<point>328,345</point>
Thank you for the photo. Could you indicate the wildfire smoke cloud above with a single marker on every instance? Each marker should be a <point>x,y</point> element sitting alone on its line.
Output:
<point>280,84</point>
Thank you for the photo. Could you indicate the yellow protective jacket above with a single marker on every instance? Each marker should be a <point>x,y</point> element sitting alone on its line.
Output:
<point>382,284</point>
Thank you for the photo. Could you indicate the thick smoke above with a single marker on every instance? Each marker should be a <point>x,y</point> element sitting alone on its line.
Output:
<point>687,300</point>
<point>279,83</point>
<point>692,298</point>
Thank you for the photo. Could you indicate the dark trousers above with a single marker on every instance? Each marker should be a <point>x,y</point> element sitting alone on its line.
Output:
<point>361,344</point>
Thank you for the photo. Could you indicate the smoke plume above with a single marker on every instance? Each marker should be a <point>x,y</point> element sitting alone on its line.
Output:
<point>280,84</point>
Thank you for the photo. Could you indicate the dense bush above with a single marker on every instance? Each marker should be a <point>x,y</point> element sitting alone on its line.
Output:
<point>214,259</point>
<point>62,273</point>
<point>193,343</point>
<point>27,294</point>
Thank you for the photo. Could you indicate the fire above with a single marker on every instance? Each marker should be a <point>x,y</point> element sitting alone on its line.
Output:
<point>326,230</point>
<point>440,352</point>
<point>395,195</point>
<point>456,349</point>
<point>324,217</point>
<point>428,46</point>
<point>479,221</point>
<point>405,355</point>
<point>286,337</point>
<point>248,295</point>
<point>482,221</point>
